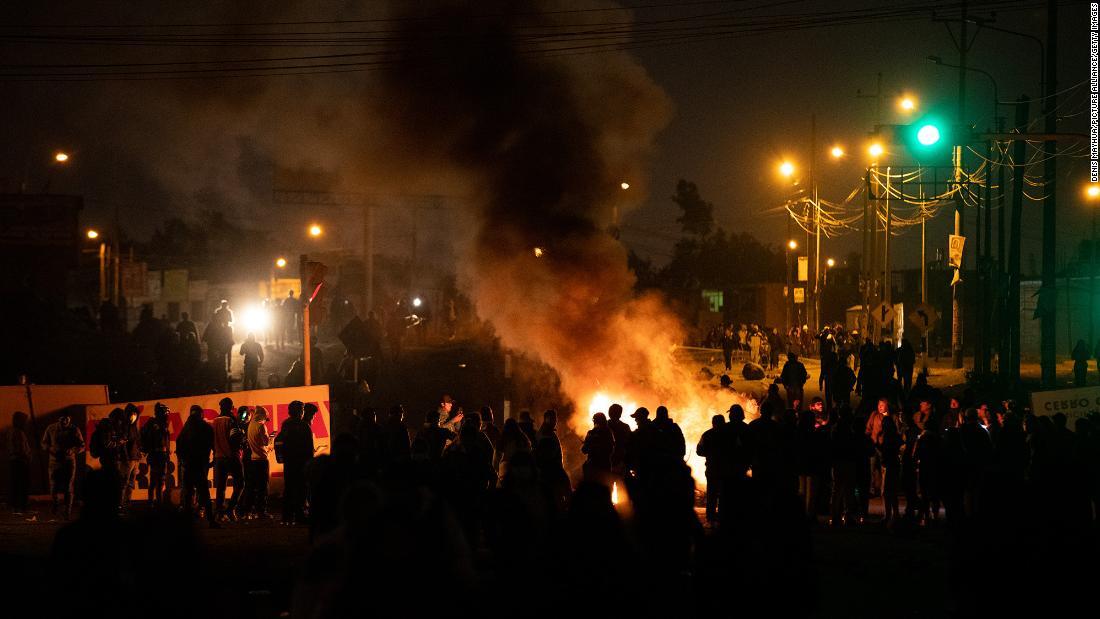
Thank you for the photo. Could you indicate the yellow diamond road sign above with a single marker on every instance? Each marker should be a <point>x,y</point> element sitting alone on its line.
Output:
<point>883,314</point>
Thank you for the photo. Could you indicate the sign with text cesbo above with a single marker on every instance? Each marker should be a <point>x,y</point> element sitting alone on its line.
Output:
<point>1073,403</point>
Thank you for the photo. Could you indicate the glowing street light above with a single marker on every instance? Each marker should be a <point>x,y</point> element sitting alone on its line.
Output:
<point>315,230</point>
<point>539,252</point>
<point>786,169</point>
<point>837,152</point>
<point>625,185</point>
<point>93,234</point>
<point>830,263</point>
<point>61,156</point>
<point>417,302</point>
<point>1093,191</point>
<point>280,262</point>
<point>907,103</point>
<point>875,149</point>
<point>792,244</point>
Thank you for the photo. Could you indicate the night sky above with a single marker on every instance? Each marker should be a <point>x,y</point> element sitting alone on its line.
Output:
<point>737,104</point>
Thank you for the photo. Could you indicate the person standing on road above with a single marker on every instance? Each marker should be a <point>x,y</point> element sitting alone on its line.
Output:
<point>295,446</point>
<point>257,467</point>
<point>253,354</point>
<point>129,455</point>
<point>727,346</point>
<point>599,444</point>
<point>711,449</point>
<point>155,439</point>
<point>1080,363</point>
<point>793,378</point>
<point>18,446</point>
<point>193,447</point>
<point>62,442</point>
<point>228,441</point>
<point>621,431</point>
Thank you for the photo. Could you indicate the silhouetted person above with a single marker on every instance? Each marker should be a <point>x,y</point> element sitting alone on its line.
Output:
<point>194,444</point>
<point>527,425</point>
<point>712,450</point>
<point>17,444</point>
<point>295,445</point>
<point>928,457</point>
<point>253,354</point>
<point>888,446</point>
<point>155,445</point>
<point>599,444</point>
<point>906,361</point>
<point>186,326</point>
<point>728,344</point>
<point>793,377</point>
<point>548,458</point>
<point>829,364</point>
<point>846,452</point>
<point>368,434</point>
<point>395,441</point>
<point>671,446</point>
<point>256,465</point>
<point>513,442</point>
<point>735,461</point>
<point>130,453</point>
<point>1081,356</point>
<point>435,438</point>
<point>489,425</point>
<point>977,454</point>
<point>228,442</point>
<point>621,431</point>
<point>63,442</point>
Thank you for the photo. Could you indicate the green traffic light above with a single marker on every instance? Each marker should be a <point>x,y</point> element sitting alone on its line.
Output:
<point>928,135</point>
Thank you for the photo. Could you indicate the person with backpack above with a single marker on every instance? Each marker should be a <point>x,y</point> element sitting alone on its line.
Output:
<point>228,442</point>
<point>193,447</point>
<point>294,449</point>
<point>155,441</point>
<point>256,466</point>
<point>129,440</point>
<point>793,378</point>
<point>62,441</point>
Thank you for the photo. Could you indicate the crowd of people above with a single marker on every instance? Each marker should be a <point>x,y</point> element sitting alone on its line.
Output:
<point>482,504</point>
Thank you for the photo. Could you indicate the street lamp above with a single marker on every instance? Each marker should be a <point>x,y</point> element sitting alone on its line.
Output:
<point>315,230</point>
<point>786,169</point>
<point>875,150</point>
<point>907,103</point>
<point>1092,196</point>
<point>625,185</point>
<point>837,152</point>
<point>280,262</point>
<point>61,156</point>
<point>93,234</point>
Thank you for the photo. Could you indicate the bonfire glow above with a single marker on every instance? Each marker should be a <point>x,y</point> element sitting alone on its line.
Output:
<point>693,408</point>
<point>614,493</point>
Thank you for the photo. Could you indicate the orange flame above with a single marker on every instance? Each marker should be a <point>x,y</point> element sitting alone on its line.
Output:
<point>692,409</point>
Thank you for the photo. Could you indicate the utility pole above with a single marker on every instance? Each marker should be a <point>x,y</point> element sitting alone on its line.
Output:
<point>1019,153</point>
<point>816,323</point>
<point>1048,297</point>
<point>368,259</point>
<point>303,278</point>
<point>956,290</point>
<point>887,287</point>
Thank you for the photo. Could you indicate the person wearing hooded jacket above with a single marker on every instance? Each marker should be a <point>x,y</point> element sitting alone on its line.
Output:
<point>194,445</point>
